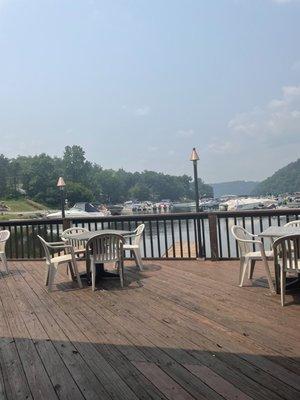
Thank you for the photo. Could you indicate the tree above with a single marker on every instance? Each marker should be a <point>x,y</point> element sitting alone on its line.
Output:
<point>76,192</point>
<point>75,167</point>
<point>39,178</point>
<point>85,181</point>
<point>139,191</point>
<point>4,173</point>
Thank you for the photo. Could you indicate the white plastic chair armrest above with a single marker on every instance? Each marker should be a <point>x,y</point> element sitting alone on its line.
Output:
<point>249,241</point>
<point>60,246</point>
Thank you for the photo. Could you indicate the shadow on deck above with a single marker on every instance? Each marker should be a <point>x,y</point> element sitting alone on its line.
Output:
<point>178,330</point>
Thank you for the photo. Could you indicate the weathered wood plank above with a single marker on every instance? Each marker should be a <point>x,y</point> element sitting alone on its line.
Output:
<point>37,377</point>
<point>177,330</point>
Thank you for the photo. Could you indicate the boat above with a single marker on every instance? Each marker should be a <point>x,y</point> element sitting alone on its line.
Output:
<point>208,203</point>
<point>135,206</point>
<point>294,201</point>
<point>248,203</point>
<point>184,207</point>
<point>163,205</point>
<point>81,210</point>
<point>115,209</point>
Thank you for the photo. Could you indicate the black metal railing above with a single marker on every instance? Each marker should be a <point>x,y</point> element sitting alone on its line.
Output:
<point>172,236</point>
<point>254,221</point>
<point>181,235</point>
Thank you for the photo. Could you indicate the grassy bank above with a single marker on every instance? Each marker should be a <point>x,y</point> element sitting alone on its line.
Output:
<point>20,209</point>
<point>23,205</point>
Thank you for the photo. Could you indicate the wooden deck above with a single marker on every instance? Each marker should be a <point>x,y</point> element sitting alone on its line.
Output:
<point>178,330</point>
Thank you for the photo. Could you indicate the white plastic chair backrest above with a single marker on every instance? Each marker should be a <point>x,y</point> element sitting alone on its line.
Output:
<point>46,249</point>
<point>78,244</point>
<point>287,252</point>
<point>240,234</point>
<point>295,223</point>
<point>138,234</point>
<point>4,236</point>
<point>106,247</point>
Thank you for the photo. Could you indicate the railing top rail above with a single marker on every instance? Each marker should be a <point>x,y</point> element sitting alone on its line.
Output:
<point>24,222</point>
<point>155,217</point>
<point>256,213</point>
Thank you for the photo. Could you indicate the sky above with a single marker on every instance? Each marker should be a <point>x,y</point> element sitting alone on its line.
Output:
<point>139,83</point>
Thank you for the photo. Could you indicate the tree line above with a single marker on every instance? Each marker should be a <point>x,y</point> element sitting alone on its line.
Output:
<point>36,177</point>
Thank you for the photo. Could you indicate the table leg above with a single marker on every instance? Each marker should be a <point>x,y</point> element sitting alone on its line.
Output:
<point>101,273</point>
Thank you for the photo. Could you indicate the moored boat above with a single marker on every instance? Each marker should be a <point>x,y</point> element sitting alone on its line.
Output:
<point>81,210</point>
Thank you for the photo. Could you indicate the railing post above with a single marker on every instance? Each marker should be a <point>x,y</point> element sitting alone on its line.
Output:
<point>199,241</point>
<point>66,223</point>
<point>213,236</point>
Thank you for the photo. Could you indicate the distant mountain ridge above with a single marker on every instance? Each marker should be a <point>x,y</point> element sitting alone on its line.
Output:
<point>234,187</point>
<point>285,180</point>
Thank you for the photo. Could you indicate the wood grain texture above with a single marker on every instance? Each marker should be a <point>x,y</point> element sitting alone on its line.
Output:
<point>177,330</point>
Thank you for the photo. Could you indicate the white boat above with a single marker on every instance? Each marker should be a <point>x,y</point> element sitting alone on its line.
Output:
<point>248,203</point>
<point>163,205</point>
<point>80,210</point>
<point>134,206</point>
<point>208,204</point>
<point>294,201</point>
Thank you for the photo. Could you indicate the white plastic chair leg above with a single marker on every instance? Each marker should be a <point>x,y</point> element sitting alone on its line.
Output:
<point>52,273</point>
<point>138,258</point>
<point>282,286</point>
<point>93,272</point>
<point>242,261</point>
<point>244,269</point>
<point>47,275</point>
<point>121,273</point>
<point>267,269</point>
<point>4,261</point>
<point>251,269</point>
<point>77,273</point>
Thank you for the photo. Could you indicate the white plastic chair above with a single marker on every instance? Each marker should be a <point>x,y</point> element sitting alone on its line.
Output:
<point>248,257</point>
<point>135,246</point>
<point>295,223</point>
<point>53,261</point>
<point>78,245</point>
<point>106,248</point>
<point>286,259</point>
<point>4,236</point>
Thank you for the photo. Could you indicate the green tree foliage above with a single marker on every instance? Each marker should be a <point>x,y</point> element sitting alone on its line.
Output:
<point>204,189</point>
<point>75,164</point>
<point>76,192</point>
<point>285,180</point>
<point>38,178</point>
<point>4,175</point>
<point>38,175</point>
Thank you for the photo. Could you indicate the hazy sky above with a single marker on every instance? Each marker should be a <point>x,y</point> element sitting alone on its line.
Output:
<point>138,83</point>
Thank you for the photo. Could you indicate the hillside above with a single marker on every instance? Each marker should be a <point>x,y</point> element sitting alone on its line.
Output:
<point>285,180</point>
<point>234,187</point>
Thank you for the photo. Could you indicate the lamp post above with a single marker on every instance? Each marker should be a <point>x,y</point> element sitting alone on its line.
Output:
<point>194,158</point>
<point>61,185</point>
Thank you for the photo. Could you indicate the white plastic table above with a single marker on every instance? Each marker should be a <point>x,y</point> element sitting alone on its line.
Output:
<point>275,232</point>
<point>85,237</point>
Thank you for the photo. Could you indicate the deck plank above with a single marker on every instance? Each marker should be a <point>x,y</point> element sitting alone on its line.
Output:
<point>178,330</point>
